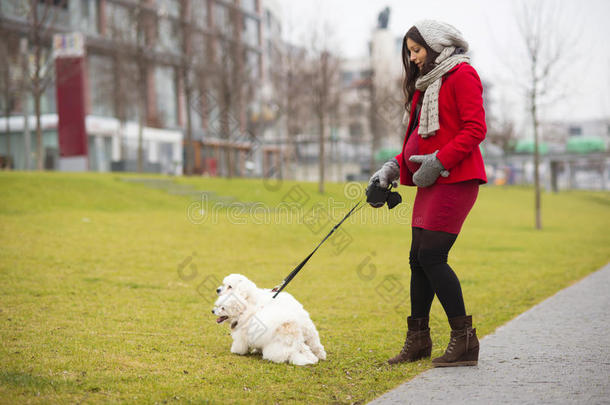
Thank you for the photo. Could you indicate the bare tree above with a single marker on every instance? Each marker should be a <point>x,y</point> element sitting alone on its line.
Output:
<point>385,111</point>
<point>9,79</point>
<point>115,81</point>
<point>500,129</point>
<point>290,83</point>
<point>325,83</point>
<point>230,83</point>
<point>545,39</point>
<point>144,18</point>
<point>132,31</point>
<point>41,16</point>
<point>187,68</point>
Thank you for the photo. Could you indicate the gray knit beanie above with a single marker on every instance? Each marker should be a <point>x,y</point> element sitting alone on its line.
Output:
<point>439,35</point>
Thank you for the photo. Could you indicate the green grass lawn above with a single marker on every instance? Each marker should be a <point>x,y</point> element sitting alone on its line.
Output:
<point>107,285</point>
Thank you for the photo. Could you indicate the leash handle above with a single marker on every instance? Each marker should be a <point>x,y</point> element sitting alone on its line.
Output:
<point>294,272</point>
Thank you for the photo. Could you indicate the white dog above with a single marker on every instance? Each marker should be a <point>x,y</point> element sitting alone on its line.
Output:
<point>280,328</point>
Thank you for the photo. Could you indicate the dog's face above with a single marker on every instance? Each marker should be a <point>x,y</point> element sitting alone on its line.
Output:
<point>234,282</point>
<point>229,306</point>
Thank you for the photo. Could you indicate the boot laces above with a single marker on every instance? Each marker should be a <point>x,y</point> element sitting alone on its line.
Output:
<point>454,338</point>
<point>408,341</point>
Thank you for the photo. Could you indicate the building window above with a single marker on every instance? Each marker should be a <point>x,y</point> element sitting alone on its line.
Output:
<point>250,34</point>
<point>575,130</point>
<point>165,87</point>
<point>253,64</point>
<point>57,3</point>
<point>355,129</point>
<point>355,110</point>
<point>249,5</point>
<point>196,113</point>
<point>120,26</point>
<point>222,21</point>
<point>347,78</point>
<point>100,85</point>
<point>199,10</point>
<point>86,16</point>
<point>169,33</point>
<point>170,8</point>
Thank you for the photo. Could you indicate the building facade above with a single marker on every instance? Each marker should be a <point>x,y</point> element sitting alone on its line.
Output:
<point>169,46</point>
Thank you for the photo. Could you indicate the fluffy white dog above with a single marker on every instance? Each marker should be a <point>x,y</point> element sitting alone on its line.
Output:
<point>280,328</point>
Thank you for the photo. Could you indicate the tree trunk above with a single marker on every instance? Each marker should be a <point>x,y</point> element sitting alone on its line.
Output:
<point>7,109</point>
<point>189,128</point>
<point>534,112</point>
<point>26,113</point>
<point>122,130</point>
<point>8,136</point>
<point>536,164</point>
<point>373,123</point>
<point>323,96</point>
<point>322,160</point>
<point>226,129</point>
<point>37,95</point>
<point>141,123</point>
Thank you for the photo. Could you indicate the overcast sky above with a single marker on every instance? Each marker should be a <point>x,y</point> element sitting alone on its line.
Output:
<point>489,26</point>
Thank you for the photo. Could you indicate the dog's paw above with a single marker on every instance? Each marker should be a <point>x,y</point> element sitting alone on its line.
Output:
<point>303,358</point>
<point>239,349</point>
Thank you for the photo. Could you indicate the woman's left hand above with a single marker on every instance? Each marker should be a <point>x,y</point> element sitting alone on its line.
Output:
<point>429,170</point>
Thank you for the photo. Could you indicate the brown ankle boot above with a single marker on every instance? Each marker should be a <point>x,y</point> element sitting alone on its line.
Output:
<point>418,343</point>
<point>463,349</point>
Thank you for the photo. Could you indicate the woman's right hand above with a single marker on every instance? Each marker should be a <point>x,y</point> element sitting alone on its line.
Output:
<point>389,173</point>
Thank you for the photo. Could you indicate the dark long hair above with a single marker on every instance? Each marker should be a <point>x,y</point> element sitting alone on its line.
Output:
<point>411,70</point>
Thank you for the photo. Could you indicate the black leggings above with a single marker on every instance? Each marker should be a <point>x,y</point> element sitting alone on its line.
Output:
<point>431,274</point>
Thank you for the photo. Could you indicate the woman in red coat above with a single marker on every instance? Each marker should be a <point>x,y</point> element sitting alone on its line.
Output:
<point>440,156</point>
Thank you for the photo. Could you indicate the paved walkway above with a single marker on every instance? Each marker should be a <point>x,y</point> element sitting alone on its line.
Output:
<point>556,353</point>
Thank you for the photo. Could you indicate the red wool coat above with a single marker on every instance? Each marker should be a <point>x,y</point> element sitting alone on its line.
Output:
<point>462,128</point>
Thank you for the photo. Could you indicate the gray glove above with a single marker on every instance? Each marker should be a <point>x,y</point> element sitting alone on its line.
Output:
<point>429,170</point>
<point>389,173</point>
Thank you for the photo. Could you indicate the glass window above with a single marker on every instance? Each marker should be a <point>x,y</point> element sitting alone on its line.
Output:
<point>56,12</point>
<point>355,110</point>
<point>83,15</point>
<point>253,64</point>
<point>249,5</point>
<point>165,88</point>
<point>575,130</point>
<point>47,105</point>
<point>166,157</point>
<point>347,78</point>
<point>168,8</point>
<point>250,34</point>
<point>13,9</point>
<point>168,35</point>
<point>222,19</point>
<point>119,23</point>
<point>196,113</point>
<point>355,129</point>
<point>100,85</point>
<point>199,10</point>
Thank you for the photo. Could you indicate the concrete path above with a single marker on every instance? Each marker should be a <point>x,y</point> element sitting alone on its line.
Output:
<point>556,353</point>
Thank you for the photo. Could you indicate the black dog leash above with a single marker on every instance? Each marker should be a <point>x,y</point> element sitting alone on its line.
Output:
<point>294,272</point>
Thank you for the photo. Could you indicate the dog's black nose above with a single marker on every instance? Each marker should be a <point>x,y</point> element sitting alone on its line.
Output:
<point>212,311</point>
<point>218,290</point>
